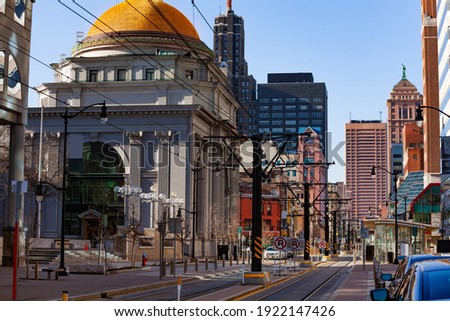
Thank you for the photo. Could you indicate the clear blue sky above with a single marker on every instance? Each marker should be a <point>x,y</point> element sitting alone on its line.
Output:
<point>356,47</point>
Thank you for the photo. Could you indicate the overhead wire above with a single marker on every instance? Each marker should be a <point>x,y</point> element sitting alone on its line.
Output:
<point>175,78</point>
<point>165,18</point>
<point>88,88</point>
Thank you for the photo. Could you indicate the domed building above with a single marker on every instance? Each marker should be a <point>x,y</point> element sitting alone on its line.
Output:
<point>155,158</point>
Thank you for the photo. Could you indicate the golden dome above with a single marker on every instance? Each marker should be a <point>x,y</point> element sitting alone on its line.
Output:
<point>141,16</point>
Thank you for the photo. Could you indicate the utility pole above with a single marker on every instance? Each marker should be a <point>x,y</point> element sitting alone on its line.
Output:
<point>327,231</point>
<point>306,252</point>
<point>256,205</point>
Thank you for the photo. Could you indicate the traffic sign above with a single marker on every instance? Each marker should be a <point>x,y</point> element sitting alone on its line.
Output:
<point>279,242</point>
<point>296,244</point>
<point>364,233</point>
<point>322,244</point>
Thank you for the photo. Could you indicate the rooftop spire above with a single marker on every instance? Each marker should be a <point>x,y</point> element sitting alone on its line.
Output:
<point>228,5</point>
<point>404,72</point>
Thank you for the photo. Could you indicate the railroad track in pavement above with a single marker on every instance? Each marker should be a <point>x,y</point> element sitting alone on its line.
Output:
<point>318,284</point>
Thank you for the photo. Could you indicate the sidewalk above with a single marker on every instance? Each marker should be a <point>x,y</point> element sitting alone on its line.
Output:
<point>360,281</point>
<point>356,286</point>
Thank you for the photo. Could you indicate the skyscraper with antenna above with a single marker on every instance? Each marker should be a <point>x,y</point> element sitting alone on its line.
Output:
<point>229,50</point>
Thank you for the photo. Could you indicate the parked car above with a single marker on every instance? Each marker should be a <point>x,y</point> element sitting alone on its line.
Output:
<point>289,252</point>
<point>274,254</point>
<point>424,281</point>
<point>404,266</point>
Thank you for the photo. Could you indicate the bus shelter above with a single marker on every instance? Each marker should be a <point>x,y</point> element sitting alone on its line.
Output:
<point>413,238</point>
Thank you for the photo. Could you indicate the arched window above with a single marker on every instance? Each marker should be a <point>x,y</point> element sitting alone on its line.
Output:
<point>101,158</point>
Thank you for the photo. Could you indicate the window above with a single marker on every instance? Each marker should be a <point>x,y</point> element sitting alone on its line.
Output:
<point>291,100</point>
<point>304,107</point>
<point>317,100</point>
<point>277,107</point>
<point>290,107</point>
<point>189,74</point>
<point>149,74</point>
<point>277,115</point>
<point>263,107</point>
<point>247,225</point>
<point>121,74</point>
<point>317,107</point>
<point>303,100</point>
<point>303,115</point>
<point>291,122</point>
<point>93,75</point>
<point>291,115</point>
<point>277,100</point>
<point>264,115</point>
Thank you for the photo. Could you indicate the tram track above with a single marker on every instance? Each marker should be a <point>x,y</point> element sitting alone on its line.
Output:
<point>314,285</point>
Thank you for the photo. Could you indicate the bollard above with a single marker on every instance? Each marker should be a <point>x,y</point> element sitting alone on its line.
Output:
<point>179,288</point>
<point>185,265</point>
<point>163,269</point>
<point>231,261</point>
<point>223,260</point>
<point>215,263</point>
<point>196,264</point>
<point>65,296</point>
<point>36,271</point>
<point>206,263</point>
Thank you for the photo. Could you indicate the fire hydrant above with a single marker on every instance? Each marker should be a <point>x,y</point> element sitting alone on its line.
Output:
<point>144,259</point>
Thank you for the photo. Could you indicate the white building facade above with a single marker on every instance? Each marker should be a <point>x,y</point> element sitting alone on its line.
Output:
<point>170,128</point>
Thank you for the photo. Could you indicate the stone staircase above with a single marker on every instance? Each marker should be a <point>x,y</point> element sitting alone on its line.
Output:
<point>86,256</point>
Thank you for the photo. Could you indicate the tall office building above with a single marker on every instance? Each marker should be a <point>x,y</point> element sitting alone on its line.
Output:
<point>229,49</point>
<point>366,147</point>
<point>292,102</point>
<point>401,106</point>
<point>443,21</point>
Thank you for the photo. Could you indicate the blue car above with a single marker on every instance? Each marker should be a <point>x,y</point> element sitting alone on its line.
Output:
<point>404,266</point>
<point>424,281</point>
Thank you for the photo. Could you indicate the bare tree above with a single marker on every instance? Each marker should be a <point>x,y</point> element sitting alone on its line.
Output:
<point>267,235</point>
<point>218,226</point>
<point>134,233</point>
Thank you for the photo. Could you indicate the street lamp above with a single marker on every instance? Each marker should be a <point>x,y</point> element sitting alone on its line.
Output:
<point>174,202</point>
<point>151,197</point>
<point>103,118</point>
<point>394,173</point>
<point>419,116</point>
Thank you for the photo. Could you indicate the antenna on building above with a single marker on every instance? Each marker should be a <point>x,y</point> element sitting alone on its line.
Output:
<point>381,116</point>
<point>350,116</point>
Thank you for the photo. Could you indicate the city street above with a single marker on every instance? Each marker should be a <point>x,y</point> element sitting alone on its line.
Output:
<point>354,283</point>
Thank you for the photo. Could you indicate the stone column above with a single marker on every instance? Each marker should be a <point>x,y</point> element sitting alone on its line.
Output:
<point>16,168</point>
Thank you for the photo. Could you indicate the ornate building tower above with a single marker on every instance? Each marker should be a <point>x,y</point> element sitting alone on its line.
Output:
<point>401,107</point>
